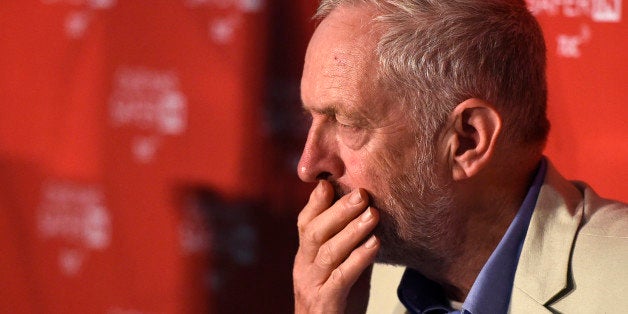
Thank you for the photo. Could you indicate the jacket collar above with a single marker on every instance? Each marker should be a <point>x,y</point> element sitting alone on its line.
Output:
<point>543,269</point>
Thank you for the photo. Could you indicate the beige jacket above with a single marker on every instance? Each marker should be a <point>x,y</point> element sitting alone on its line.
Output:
<point>575,255</point>
<point>574,258</point>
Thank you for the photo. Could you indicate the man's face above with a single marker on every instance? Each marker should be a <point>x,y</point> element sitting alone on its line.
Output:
<point>359,138</point>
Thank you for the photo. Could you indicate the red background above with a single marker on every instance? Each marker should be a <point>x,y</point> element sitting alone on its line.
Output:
<point>147,151</point>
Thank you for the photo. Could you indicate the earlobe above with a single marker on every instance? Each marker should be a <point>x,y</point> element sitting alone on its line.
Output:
<point>476,125</point>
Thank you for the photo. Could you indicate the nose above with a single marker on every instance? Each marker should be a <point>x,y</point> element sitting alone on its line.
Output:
<point>320,159</point>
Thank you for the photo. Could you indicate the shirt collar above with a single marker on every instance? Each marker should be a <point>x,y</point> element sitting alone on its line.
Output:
<point>491,290</point>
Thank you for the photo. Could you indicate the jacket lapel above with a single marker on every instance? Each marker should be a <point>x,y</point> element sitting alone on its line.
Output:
<point>543,269</point>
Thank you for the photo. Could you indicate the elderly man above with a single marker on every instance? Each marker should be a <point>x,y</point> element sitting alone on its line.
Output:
<point>428,126</point>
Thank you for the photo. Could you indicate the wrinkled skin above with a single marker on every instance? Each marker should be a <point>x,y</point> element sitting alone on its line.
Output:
<point>357,145</point>
<point>332,256</point>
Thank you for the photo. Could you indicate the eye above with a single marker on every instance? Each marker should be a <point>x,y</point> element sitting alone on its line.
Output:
<point>353,136</point>
<point>345,123</point>
<point>348,127</point>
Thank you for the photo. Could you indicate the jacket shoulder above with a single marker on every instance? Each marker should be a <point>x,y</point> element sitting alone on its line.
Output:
<point>599,276</point>
<point>602,217</point>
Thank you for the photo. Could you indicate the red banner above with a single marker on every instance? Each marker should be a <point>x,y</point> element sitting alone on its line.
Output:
<point>148,151</point>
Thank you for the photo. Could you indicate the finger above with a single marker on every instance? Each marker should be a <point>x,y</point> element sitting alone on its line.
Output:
<point>346,274</point>
<point>331,221</point>
<point>333,252</point>
<point>320,199</point>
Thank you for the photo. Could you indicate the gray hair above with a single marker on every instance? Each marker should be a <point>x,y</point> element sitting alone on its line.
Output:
<point>434,54</point>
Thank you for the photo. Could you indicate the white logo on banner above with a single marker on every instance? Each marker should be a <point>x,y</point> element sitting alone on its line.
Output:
<point>101,4</point>
<point>222,30</point>
<point>251,5</point>
<point>70,261</point>
<point>75,214</point>
<point>93,4</point>
<point>144,148</point>
<point>569,45</point>
<point>606,11</point>
<point>246,6</point>
<point>77,22</point>
<point>150,102</point>
<point>599,11</point>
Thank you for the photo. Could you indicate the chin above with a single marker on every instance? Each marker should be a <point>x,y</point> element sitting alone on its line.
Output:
<point>421,241</point>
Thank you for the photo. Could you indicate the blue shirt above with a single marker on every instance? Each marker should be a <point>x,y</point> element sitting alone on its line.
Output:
<point>491,290</point>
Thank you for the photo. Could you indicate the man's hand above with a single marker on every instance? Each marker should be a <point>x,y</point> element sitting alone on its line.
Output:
<point>332,251</point>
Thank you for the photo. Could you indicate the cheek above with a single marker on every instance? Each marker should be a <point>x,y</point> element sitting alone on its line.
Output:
<point>358,169</point>
<point>366,170</point>
<point>356,164</point>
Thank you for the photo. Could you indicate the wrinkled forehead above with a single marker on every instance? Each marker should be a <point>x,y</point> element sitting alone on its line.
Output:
<point>342,47</point>
<point>351,22</point>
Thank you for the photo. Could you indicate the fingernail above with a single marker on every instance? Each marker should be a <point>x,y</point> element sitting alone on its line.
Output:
<point>371,242</point>
<point>367,215</point>
<point>356,197</point>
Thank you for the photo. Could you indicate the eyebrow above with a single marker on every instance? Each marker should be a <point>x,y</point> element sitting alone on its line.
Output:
<point>332,111</point>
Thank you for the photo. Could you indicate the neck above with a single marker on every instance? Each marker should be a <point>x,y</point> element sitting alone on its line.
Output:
<point>484,216</point>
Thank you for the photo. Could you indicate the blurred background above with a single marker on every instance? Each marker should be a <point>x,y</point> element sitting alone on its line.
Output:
<point>148,148</point>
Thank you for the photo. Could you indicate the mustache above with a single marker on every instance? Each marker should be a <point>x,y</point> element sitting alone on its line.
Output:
<point>340,190</point>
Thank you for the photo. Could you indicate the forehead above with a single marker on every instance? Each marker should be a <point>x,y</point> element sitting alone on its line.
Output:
<point>347,29</point>
<point>340,59</point>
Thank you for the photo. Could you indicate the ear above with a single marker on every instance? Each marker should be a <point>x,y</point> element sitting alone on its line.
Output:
<point>474,128</point>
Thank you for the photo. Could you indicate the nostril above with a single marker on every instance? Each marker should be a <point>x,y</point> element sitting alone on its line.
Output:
<point>323,176</point>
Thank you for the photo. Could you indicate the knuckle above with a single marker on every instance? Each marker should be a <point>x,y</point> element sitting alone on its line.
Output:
<point>306,232</point>
<point>325,256</point>
<point>301,225</point>
<point>311,236</point>
<point>338,277</point>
